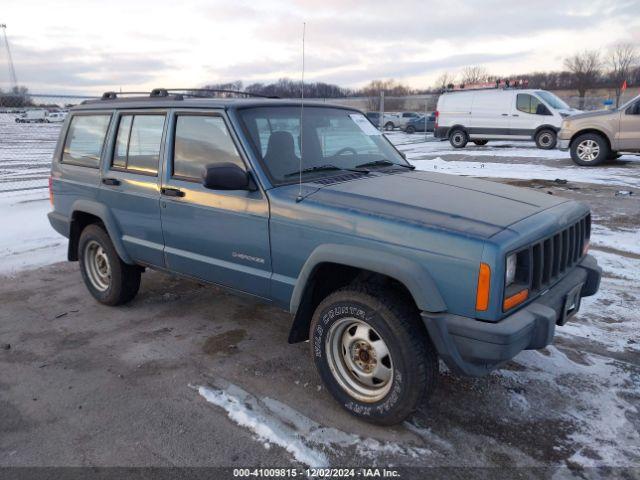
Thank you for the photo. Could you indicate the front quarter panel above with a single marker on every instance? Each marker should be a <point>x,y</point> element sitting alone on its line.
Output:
<point>438,267</point>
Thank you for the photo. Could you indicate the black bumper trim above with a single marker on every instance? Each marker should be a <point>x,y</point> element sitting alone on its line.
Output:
<point>473,347</point>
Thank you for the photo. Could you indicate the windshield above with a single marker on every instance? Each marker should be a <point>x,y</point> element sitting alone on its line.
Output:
<point>333,140</point>
<point>624,106</point>
<point>552,100</point>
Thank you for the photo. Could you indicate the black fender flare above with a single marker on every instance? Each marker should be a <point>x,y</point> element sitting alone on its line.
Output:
<point>457,127</point>
<point>104,214</point>
<point>412,275</point>
<point>545,127</point>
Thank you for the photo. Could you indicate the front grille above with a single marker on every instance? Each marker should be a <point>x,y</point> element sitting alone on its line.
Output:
<point>550,258</point>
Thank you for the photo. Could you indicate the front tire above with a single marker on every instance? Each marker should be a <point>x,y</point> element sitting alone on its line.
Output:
<point>546,139</point>
<point>106,276</point>
<point>373,353</point>
<point>481,143</point>
<point>458,138</point>
<point>410,129</point>
<point>589,149</point>
<point>389,126</point>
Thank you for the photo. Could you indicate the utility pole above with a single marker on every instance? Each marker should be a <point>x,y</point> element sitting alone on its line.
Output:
<point>12,70</point>
<point>381,122</point>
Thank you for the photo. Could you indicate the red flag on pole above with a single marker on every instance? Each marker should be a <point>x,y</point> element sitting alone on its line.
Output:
<point>624,86</point>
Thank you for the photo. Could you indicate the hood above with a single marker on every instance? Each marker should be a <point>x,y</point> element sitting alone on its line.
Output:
<point>460,204</point>
<point>569,112</point>
<point>596,113</point>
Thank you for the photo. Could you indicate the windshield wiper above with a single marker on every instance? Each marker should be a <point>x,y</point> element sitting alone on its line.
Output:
<point>327,167</point>
<point>384,161</point>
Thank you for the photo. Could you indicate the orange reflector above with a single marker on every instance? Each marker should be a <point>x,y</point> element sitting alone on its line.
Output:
<point>585,249</point>
<point>516,299</point>
<point>484,281</point>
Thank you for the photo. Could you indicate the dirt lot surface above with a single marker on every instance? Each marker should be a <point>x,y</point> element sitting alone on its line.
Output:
<point>188,375</point>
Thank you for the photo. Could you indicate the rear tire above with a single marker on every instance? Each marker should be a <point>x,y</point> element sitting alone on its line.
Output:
<point>480,143</point>
<point>458,138</point>
<point>546,139</point>
<point>373,353</point>
<point>107,277</point>
<point>589,150</point>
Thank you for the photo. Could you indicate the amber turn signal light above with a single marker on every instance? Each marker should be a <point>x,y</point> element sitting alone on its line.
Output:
<point>516,299</point>
<point>484,282</point>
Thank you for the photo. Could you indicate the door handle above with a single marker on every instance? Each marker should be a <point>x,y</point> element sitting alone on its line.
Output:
<point>111,181</point>
<point>515,115</point>
<point>171,192</point>
<point>505,114</point>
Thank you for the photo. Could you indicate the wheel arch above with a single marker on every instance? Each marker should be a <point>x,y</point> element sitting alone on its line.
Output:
<point>457,127</point>
<point>595,131</point>
<point>86,212</point>
<point>331,267</point>
<point>545,127</point>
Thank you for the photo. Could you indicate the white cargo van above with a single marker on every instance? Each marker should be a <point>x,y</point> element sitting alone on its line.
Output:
<point>500,114</point>
<point>32,116</point>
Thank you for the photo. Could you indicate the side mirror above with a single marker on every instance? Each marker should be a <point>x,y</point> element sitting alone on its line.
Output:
<point>226,176</point>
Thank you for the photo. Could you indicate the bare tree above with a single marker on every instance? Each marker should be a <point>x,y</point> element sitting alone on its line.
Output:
<point>474,74</point>
<point>621,60</point>
<point>444,81</point>
<point>389,87</point>
<point>586,67</point>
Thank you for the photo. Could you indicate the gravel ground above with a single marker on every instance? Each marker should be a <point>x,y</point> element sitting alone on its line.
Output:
<point>188,375</point>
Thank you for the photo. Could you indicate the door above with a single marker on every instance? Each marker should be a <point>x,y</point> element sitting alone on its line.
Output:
<point>130,183</point>
<point>490,113</point>
<point>218,236</point>
<point>527,114</point>
<point>629,136</point>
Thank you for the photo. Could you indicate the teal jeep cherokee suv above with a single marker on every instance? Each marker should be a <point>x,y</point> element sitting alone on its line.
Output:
<point>384,269</point>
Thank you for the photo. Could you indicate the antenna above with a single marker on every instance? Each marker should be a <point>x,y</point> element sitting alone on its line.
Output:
<point>299,199</point>
<point>12,70</point>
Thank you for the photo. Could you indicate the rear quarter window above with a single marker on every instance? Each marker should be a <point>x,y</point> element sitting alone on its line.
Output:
<point>85,140</point>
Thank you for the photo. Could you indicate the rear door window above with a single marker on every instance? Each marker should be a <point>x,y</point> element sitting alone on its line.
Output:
<point>138,143</point>
<point>85,140</point>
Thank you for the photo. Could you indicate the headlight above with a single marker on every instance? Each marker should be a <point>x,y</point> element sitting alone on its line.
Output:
<point>510,274</point>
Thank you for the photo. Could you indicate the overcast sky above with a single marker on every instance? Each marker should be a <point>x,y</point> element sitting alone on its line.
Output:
<point>89,46</point>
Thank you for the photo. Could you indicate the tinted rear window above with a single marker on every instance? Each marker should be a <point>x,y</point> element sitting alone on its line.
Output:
<point>85,140</point>
<point>138,143</point>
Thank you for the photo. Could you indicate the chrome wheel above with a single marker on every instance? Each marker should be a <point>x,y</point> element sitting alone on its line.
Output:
<point>588,150</point>
<point>359,360</point>
<point>96,265</point>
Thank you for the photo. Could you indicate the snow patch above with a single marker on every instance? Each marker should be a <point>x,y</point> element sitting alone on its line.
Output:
<point>27,240</point>
<point>527,171</point>
<point>273,422</point>
<point>600,412</point>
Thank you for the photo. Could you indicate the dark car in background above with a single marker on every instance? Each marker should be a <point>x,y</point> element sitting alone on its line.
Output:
<point>419,124</point>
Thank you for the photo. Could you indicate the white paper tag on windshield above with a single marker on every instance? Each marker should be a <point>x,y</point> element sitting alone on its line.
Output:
<point>365,125</point>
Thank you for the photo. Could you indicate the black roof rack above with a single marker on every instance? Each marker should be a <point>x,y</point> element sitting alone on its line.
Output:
<point>175,94</point>
<point>202,92</point>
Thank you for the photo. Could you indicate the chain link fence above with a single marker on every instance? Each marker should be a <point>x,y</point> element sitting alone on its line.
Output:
<point>29,129</point>
<point>30,125</point>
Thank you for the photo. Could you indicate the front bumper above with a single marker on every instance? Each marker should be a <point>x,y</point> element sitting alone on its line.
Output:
<point>563,144</point>
<point>473,347</point>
